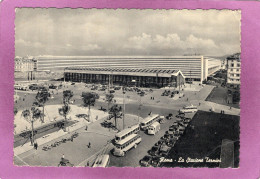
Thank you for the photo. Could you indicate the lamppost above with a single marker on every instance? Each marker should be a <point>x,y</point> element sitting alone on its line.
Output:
<point>123,107</point>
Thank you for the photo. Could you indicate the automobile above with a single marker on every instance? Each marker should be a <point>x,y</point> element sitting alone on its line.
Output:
<point>189,82</point>
<point>171,142</point>
<point>94,87</point>
<point>112,91</point>
<point>164,150</point>
<point>165,137</point>
<point>65,162</point>
<point>145,162</point>
<point>103,109</point>
<point>117,88</point>
<point>73,83</point>
<point>171,131</point>
<point>176,136</point>
<point>102,89</point>
<point>180,115</point>
<point>52,86</point>
<point>155,162</point>
<point>183,124</point>
<point>159,143</point>
<point>186,119</point>
<point>154,151</point>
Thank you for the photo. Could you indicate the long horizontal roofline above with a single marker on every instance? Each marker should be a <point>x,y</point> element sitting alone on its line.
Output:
<point>47,56</point>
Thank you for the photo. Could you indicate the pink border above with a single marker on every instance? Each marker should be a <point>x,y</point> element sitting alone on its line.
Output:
<point>250,115</point>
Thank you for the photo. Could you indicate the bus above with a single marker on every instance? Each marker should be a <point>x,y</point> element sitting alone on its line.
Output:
<point>102,161</point>
<point>189,109</point>
<point>149,120</point>
<point>154,128</point>
<point>126,144</point>
<point>127,132</point>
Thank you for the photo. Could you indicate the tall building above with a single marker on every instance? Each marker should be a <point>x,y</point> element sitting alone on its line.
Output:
<point>195,67</point>
<point>25,64</point>
<point>233,71</point>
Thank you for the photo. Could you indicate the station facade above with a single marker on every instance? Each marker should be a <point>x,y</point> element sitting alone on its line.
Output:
<point>122,76</point>
<point>196,68</point>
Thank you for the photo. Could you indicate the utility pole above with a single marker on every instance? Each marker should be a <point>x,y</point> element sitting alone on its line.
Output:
<point>123,107</point>
<point>64,76</point>
<point>179,84</point>
<point>190,78</point>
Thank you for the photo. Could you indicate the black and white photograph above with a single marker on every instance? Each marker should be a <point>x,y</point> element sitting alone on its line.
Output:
<point>127,88</point>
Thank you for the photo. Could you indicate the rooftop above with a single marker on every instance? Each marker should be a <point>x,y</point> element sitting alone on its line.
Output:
<point>139,70</point>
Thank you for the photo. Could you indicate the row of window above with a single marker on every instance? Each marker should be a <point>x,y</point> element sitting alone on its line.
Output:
<point>232,65</point>
<point>129,142</point>
<point>235,75</point>
<point>235,70</point>
<point>128,134</point>
<point>234,79</point>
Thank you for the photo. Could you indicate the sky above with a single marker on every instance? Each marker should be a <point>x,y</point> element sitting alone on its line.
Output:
<point>109,32</point>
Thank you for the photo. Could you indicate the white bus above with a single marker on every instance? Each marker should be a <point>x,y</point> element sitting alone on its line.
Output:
<point>126,144</point>
<point>127,132</point>
<point>189,109</point>
<point>102,161</point>
<point>149,120</point>
<point>154,128</point>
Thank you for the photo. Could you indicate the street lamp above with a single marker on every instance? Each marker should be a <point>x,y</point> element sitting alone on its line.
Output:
<point>123,107</point>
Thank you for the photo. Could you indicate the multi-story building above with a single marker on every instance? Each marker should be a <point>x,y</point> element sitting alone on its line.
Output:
<point>25,64</point>
<point>233,71</point>
<point>193,67</point>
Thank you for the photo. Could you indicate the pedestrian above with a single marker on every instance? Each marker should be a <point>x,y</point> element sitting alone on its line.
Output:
<point>87,163</point>
<point>230,107</point>
<point>36,145</point>
<point>86,128</point>
<point>89,145</point>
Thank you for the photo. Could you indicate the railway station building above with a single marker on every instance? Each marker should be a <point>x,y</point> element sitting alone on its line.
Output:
<point>123,76</point>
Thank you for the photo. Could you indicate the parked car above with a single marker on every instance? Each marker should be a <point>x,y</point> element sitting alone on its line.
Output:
<point>155,162</point>
<point>171,131</point>
<point>164,150</point>
<point>180,115</point>
<point>154,151</point>
<point>52,86</point>
<point>145,162</point>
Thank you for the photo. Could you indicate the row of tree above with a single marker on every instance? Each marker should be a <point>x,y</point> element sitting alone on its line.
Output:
<point>88,99</point>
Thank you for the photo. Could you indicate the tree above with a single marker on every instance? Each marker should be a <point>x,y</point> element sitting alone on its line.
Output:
<point>109,99</point>
<point>67,95</point>
<point>31,115</point>
<point>89,99</point>
<point>65,109</point>
<point>41,98</point>
<point>115,112</point>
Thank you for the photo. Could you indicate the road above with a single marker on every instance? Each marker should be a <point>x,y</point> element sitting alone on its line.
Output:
<point>133,157</point>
